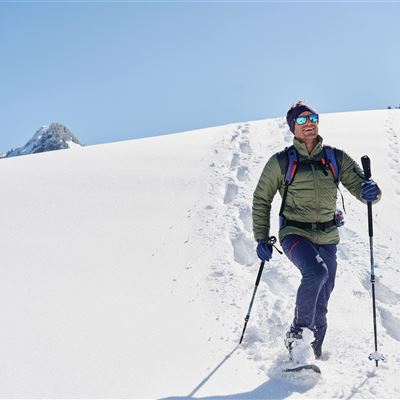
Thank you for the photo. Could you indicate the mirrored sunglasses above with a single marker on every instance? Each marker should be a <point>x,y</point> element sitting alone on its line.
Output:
<point>303,119</point>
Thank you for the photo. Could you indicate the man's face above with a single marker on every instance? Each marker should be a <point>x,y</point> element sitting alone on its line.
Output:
<point>307,131</point>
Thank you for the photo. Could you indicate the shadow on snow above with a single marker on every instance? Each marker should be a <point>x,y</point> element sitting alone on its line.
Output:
<point>280,385</point>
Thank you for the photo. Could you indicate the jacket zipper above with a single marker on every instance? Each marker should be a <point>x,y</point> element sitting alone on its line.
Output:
<point>317,202</point>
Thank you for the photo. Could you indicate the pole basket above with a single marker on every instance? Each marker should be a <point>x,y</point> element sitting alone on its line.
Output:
<point>376,356</point>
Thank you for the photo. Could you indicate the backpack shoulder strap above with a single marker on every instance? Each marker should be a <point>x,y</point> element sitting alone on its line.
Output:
<point>332,157</point>
<point>292,165</point>
<point>288,162</point>
<point>283,160</point>
<point>339,157</point>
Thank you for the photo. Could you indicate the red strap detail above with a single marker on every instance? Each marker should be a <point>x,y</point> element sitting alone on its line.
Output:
<point>294,168</point>
<point>332,169</point>
<point>293,246</point>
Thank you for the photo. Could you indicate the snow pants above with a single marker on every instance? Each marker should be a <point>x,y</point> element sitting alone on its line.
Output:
<point>317,264</point>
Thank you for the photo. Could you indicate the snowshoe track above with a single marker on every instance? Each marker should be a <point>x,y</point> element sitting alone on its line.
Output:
<point>239,157</point>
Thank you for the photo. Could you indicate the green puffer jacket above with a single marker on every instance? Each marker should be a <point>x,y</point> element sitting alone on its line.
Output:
<point>311,197</point>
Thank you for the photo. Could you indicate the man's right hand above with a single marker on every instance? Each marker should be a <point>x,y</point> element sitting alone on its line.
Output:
<point>264,250</point>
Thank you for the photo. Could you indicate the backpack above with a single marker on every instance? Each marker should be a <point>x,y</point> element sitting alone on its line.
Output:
<point>289,161</point>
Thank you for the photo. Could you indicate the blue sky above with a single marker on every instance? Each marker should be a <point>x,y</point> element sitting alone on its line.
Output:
<point>120,70</point>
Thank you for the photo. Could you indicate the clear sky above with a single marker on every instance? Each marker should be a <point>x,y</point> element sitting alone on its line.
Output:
<point>112,71</point>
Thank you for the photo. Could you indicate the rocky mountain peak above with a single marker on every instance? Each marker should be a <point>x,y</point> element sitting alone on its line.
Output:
<point>48,138</point>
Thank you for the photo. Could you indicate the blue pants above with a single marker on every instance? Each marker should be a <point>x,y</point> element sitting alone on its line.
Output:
<point>317,264</point>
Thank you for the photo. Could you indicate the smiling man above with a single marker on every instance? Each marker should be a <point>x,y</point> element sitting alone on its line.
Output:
<point>307,175</point>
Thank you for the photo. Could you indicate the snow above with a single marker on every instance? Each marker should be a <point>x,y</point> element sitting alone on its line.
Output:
<point>73,145</point>
<point>128,268</point>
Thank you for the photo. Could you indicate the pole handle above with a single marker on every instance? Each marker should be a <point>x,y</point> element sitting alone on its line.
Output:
<point>260,271</point>
<point>366,164</point>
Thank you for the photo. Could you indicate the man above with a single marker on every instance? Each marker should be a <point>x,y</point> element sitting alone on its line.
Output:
<point>308,227</point>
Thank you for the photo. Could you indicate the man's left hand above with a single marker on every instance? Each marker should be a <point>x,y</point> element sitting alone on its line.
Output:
<point>370,192</point>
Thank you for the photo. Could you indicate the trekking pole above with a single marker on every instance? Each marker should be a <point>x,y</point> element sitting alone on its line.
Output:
<point>271,241</point>
<point>366,163</point>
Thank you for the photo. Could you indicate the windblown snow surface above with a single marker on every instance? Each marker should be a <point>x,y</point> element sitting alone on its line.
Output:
<point>127,270</point>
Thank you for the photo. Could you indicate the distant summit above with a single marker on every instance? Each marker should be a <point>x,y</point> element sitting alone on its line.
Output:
<point>47,138</point>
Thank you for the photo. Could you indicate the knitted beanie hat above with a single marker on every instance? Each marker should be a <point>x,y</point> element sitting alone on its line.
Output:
<point>294,111</point>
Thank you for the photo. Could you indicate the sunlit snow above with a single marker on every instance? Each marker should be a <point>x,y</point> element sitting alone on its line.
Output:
<point>127,270</point>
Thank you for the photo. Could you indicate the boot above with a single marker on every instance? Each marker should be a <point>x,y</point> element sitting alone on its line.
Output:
<point>317,349</point>
<point>292,339</point>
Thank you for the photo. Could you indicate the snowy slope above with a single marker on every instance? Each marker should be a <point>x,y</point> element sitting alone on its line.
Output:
<point>127,270</point>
